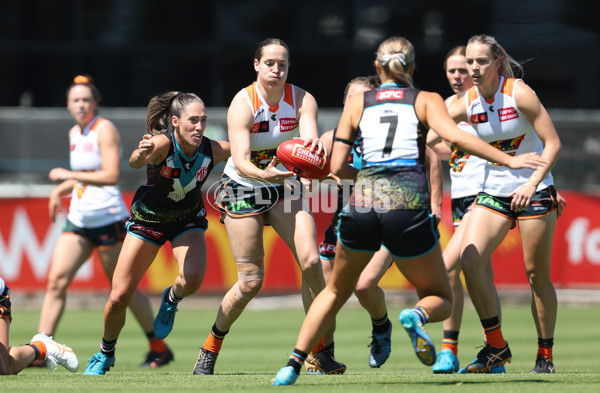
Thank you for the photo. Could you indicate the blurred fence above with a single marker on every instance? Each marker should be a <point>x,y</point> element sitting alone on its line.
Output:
<point>35,140</point>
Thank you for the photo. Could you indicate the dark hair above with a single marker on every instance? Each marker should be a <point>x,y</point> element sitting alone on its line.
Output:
<point>269,41</point>
<point>161,108</point>
<point>460,50</point>
<point>85,80</point>
<point>507,63</point>
<point>371,82</point>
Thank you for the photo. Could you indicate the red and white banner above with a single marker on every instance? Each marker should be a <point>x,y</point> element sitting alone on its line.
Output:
<point>27,238</point>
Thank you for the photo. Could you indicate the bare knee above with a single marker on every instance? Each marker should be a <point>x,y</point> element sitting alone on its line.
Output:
<point>537,279</point>
<point>249,289</point>
<point>118,302</point>
<point>311,266</point>
<point>470,260</point>
<point>57,284</point>
<point>191,282</point>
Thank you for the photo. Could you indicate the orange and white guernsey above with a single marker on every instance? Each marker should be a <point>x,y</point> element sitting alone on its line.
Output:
<point>272,125</point>
<point>499,122</point>
<point>466,170</point>
<point>92,206</point>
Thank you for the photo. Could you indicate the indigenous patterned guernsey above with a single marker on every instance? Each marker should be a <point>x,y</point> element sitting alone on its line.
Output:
<point>173,192</point>
<point>393,151</point>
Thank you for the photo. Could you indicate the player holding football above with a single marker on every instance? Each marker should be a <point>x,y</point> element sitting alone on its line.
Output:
<point>260,117</point>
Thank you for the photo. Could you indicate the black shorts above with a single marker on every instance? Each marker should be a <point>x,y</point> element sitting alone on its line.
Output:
<point>460,207</point>
<point>404,233</point>
<point>543,203</point>
<point>5,304</point>
<point>238,200</point>
<point>159,234</point>
<point>102,237</point>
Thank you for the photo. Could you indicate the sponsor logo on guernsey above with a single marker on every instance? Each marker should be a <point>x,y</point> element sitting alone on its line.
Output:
<point>489,201</point>
<point>479,118</point>
<point>262,126</point>
<point>87,147</point>
<point>390,94</point>
<point>506,114</point>
<point>288,124</point>
<point>171,173</point>
<point>307,155</point>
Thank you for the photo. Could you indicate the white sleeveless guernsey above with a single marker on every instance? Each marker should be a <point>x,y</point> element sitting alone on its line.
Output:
<point>466,170</point>
<point>92,206</point>
<point>271,127</point>
<point>500,123</point>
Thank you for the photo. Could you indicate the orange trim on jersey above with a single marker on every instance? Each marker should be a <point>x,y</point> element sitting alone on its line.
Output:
<point>254,98</point>
<point>288,96</point>
<point>99,120</point>
<point>508,86</point>
<point>472,95</point>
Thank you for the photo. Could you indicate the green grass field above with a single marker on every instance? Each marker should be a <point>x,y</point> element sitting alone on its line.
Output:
<point>259,344</point>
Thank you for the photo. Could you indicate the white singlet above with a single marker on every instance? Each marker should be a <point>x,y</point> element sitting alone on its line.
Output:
<point>92,206</point>
<point>500,123</point>
<point>271,127</point>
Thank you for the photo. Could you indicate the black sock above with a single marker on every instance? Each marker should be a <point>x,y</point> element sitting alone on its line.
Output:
<point>296,360</point>
<point>546,342</point>
<point>37,351</point>
<point>218,332</point>
<point>330,348</point>
<point>381,325</point>
<point>108,347</point>
<point>171,298</point>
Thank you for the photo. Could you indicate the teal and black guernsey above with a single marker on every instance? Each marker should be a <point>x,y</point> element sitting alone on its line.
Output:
<point>172,193</point>
<point>392,142</point>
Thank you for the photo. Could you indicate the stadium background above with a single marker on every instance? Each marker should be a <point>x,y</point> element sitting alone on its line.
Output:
<point>135,49</point>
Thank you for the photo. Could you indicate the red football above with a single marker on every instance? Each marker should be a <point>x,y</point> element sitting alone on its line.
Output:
<point>302,161</point>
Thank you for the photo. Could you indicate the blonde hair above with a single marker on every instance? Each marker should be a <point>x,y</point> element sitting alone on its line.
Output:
<point>396,55</point>
<point>508,65</point>
<point>161,108</point>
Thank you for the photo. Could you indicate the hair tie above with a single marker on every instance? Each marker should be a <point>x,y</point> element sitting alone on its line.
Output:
<point>385,59</point>
<point>81,79</point>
